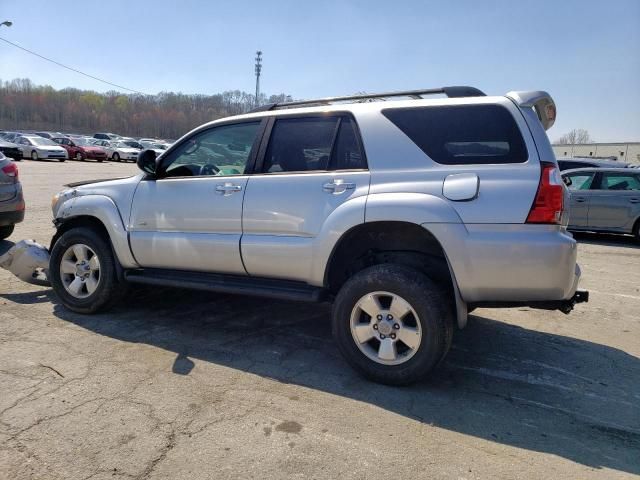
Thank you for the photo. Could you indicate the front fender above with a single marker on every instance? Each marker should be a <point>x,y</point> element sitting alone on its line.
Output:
<point>105,210</point>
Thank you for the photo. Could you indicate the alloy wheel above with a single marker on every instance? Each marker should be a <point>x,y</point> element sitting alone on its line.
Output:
<point>385,327</point>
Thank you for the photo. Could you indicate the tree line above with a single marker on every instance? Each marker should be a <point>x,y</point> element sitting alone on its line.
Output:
<point>26,106</point>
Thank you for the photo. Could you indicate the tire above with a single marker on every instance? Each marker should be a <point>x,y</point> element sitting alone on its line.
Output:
<point>636,230</point>
<point>79,157</point>
<point>99,293</point>
<point>100,160</point>
<point>34,155</point>
<point>63,160</point>
<point>6,231</point>
<point>429,317</point>
<point>116,157</point>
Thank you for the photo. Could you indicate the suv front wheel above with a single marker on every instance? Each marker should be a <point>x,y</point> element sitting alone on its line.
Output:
<point>392,324</point>
<point>83,273</point>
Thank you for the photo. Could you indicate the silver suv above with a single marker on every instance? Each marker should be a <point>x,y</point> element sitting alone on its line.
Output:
<point>405,214</point>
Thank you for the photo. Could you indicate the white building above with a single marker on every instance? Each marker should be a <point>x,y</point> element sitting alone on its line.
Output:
<point>627,152</point>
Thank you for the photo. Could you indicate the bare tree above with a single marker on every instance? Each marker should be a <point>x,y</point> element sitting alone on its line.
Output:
<point>24,105</point>
<point>575,136</point>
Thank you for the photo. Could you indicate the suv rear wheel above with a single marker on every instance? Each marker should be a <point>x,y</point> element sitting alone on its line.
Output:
<point>83,273</point>
<point>392,324</point>
<point>6,231</point>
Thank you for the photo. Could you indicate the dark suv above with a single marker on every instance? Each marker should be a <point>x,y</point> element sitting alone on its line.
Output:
<point>11,199</point>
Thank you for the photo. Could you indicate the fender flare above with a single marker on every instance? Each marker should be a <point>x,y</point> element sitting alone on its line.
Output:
<point>103,209</point>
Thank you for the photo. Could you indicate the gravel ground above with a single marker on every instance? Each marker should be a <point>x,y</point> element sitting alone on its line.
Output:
<point>177,384</point>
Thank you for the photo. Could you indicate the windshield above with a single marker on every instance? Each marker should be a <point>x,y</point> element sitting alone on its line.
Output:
<point>42,141</point>
<point>133,144</point>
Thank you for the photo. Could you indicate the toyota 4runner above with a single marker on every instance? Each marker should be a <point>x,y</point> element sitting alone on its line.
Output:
<point>405,213</point>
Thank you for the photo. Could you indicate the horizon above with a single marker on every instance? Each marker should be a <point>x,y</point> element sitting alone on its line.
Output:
<point>571,50</point>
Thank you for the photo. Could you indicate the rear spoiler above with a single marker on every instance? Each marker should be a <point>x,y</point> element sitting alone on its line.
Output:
<point>540,101</point>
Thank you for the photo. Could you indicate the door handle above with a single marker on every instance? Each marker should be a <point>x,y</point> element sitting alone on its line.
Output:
<point>228,188</point>
<point>338,186</point>
<point>634,200</point>
<point>580,199</point>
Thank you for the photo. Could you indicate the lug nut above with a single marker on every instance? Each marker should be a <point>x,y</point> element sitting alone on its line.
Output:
<point>393,336</point>
<point>382,336</point>
<point>389,317</point>
<point>396,326</point>
<point>379,317</point>
<point>375,326</point>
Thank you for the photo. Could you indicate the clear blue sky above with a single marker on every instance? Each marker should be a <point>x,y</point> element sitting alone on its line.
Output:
<point>585,53</point>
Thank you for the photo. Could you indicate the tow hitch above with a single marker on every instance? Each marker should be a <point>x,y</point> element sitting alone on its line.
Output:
<point>581,296</point>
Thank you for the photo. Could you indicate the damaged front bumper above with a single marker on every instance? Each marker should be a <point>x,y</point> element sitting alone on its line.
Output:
<point>29,261</point>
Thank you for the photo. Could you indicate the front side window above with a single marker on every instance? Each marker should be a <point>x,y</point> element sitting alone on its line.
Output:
<point>620,181</point>
<point>462,134</point>
<point>223,150</point>
<point>581,181</point>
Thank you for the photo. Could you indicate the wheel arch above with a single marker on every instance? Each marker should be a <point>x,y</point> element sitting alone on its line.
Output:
<point>101,213</point>
<point>396,241</point>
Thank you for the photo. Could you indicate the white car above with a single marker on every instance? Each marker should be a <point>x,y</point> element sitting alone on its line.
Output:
<point>35,148</point>
<point>118,151</point>
<point>159,148</point>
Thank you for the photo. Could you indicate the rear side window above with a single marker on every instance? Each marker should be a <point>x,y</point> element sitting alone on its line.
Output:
<point>620,181</point>
<point>313,144</point>
<point>346,151</point>
<point>462,134</point>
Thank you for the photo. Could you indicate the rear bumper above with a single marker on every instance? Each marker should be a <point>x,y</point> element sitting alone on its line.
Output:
<point>11,218</point>
<point>510,264</point>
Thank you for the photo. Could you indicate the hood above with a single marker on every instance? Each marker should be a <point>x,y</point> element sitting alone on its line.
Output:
<point>128,150</point>
<point>88,182</point>
<point>119,190</point>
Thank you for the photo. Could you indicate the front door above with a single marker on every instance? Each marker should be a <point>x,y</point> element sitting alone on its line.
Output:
<point>311,167</point>
<point>191,217</point>
<point>615,202</point>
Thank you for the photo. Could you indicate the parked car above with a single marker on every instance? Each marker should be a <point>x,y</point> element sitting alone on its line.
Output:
<point>11,150</point>
<point>569,163</point>
<point>118,151</point>
<point>106,136</point>
<point>80,149</point>
<point>12,204</point>
<point>36,148</point>
<point>159,148</point>
<point>393,210</point>
<point>46,134</point>
<point>10,136</point>
<point>133,144</point>
<point>604,200</point>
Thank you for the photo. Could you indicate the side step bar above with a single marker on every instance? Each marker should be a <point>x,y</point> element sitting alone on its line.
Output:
<point>261,287</point>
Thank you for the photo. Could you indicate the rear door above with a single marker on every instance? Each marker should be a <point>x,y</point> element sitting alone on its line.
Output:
<point>308,168</point>
<point>615,201</point>
<point>580,195</point>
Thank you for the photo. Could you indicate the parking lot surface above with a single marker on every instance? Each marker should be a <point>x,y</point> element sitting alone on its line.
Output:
<point>175,384</point>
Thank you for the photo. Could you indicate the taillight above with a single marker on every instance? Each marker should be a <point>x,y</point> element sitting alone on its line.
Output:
<point>547,207</point>
<point>11,170</point>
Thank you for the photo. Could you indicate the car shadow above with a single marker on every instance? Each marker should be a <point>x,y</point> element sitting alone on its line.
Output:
<point>503,383</point>
<point>607,239</point>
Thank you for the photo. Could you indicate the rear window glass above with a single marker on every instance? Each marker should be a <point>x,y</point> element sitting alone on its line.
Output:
<point>462,134</point>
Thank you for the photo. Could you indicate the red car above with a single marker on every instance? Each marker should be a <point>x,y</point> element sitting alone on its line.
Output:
<point>80,149</point>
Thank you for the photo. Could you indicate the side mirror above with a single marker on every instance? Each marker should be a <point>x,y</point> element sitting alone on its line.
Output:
<point>567,181</point>
<point>147,162</point>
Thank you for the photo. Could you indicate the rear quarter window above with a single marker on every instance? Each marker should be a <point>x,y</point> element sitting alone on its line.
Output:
<point>462,134</point>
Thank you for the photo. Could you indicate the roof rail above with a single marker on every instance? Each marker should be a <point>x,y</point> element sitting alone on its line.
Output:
<point>451,92</point>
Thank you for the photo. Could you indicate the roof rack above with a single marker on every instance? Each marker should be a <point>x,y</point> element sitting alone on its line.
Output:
<point>451,92</point>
